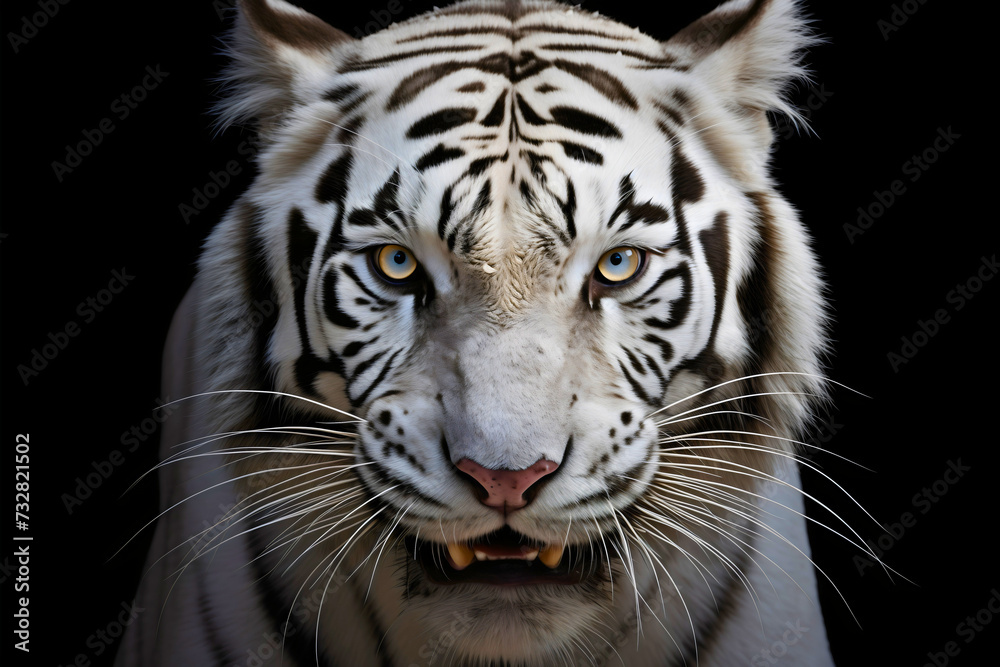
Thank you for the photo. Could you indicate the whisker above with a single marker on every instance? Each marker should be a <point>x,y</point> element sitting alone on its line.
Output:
<point>813,376</point>
<point>267,392</point>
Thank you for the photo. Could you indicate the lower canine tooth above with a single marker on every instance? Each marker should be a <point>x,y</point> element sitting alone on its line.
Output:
<point>460,556</point>
<point>551,555</point>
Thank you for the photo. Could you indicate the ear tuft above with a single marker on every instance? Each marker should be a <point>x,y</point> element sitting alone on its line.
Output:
<point>277,54</point>
<point>749,52</point>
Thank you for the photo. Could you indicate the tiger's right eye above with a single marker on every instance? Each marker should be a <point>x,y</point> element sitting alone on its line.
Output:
<point>394,263</point>
<point>619,265</point>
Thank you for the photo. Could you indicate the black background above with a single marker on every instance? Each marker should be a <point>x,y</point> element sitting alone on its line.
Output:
<point>880,97</point>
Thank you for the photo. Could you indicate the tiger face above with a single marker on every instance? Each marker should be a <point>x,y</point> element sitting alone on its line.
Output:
<point>525,250</point>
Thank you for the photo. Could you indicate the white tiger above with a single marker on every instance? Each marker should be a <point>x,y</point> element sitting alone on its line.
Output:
<point>502,357</point>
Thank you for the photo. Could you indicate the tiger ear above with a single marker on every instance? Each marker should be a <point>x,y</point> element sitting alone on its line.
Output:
<point>279,54</point>
<point>749,53</point>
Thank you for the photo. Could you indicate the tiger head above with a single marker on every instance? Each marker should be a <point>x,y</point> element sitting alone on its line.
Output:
<point>533,263</point>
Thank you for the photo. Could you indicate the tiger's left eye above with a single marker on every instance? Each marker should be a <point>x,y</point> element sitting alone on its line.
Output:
<point>619,265</point>
<point>395,263</point>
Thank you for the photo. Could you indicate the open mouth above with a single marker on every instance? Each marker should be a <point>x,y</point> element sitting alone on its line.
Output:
<point>505,558</point>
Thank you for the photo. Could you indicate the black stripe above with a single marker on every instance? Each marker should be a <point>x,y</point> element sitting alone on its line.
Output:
<point>666,349</point>
<point>302,242</point>
<point>634,360</point>
<point>385,205</point>
<point>331,308</point>
<point>366,364</point>
<point>667,132</point>
<point>626,194</point>
<point>513,34</point>
<point>348,130</point>
<point>441,121</point>
<point>477,167</point>
<point>446,209</point>
<point>386,199</point>
<point>468,239</point>
<point>601,81</point>
<point>755,294</point>
<point>482,199</point>
<point>387,479</point>
<point>390,448</point>
<point>527,66</point>
<point>261,290</point>
<point>584,122</point>
<point>558,30</point>
<point>715,243</point>
<point>650,60</point>
<point>511,10</point>
<point>688,186</point>
<point>439,155</point>
<point>341,93</point>
<point>361,66</point>
<point>474,31</point>
<point>526,194</point>
<point>332,186</point>
<point>671,113</point>
<point>679,309</point>
<point>529,114</point>
<point>378,380</point>
<point>350,273</point>
<point>569,209</point>
<point>535,162</point>
<point>655,367</point>
<point>682,99</point>
<point>417,82</point>
<point>636,387</point>
<point>582,153</point>
<point>495,116</point>
<point>356,346</point>
<point>362,217</point>
<point>354,103</point>
<point>646,212</point>
<point>668,274</point>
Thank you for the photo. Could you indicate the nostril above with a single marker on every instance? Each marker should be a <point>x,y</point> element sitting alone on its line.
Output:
<point>506,489</point>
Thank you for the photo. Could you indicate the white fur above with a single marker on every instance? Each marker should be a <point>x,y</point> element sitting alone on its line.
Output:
<point>506,349</point>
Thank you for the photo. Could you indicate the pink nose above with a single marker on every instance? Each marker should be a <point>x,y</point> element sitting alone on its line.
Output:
<point>505,488</point>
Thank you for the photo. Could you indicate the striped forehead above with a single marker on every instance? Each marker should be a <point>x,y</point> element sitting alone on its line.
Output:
<point>478,107</point>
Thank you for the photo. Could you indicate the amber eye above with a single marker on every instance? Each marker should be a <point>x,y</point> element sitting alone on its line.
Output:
<point>618,265</point>
<point>395,263</point>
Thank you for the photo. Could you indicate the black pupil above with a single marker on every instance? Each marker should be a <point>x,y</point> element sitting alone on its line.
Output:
<point>399,257</point>
<point>616,258</point>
